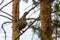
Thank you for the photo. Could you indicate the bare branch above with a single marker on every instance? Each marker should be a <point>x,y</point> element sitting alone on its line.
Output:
<point>13,20</point>
<point>34,12</point>
<point>34,6</point>
<point>6,17</point>
<point>8,14</point>
<point>28,7</point>
<point>1,2</point>
<point>6,4</point>
<point>4,29</point>
<point>28,27</point>
<point>14,17</point>
<point>32,19</point>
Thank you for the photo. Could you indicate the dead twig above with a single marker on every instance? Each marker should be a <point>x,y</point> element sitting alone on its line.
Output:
<point>1,2</point>
<point>4,29</point>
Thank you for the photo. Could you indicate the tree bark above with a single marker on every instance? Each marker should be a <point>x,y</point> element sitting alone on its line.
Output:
<point>45,14</point>
<point>15,13</point>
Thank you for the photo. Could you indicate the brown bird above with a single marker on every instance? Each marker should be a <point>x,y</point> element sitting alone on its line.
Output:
<point>21,24</point>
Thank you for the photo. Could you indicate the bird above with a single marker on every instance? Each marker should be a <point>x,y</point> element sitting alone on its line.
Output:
<point>21,24</point>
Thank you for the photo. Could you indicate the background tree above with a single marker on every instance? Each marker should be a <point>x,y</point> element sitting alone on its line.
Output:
<point>45,15</point>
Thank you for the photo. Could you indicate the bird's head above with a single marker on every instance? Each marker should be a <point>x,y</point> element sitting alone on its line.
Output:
<point>25,13</point>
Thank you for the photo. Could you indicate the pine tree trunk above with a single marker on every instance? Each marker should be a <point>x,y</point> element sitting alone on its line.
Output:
<point>15,13</point>
<point>45,13</point>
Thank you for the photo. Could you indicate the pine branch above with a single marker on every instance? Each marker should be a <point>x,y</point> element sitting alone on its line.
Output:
<point>55,11</point>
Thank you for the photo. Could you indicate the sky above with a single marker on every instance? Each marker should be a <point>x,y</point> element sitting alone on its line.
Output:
<point>28,34</point>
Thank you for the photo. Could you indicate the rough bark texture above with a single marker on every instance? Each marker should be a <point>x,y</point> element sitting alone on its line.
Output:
<point>45,13</point>
<point>15,13</point>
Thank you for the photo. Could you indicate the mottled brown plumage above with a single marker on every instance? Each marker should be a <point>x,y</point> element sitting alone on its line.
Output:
<point>21,24</point>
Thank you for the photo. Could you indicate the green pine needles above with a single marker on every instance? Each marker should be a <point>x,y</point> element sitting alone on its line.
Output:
<point>50,1</point>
